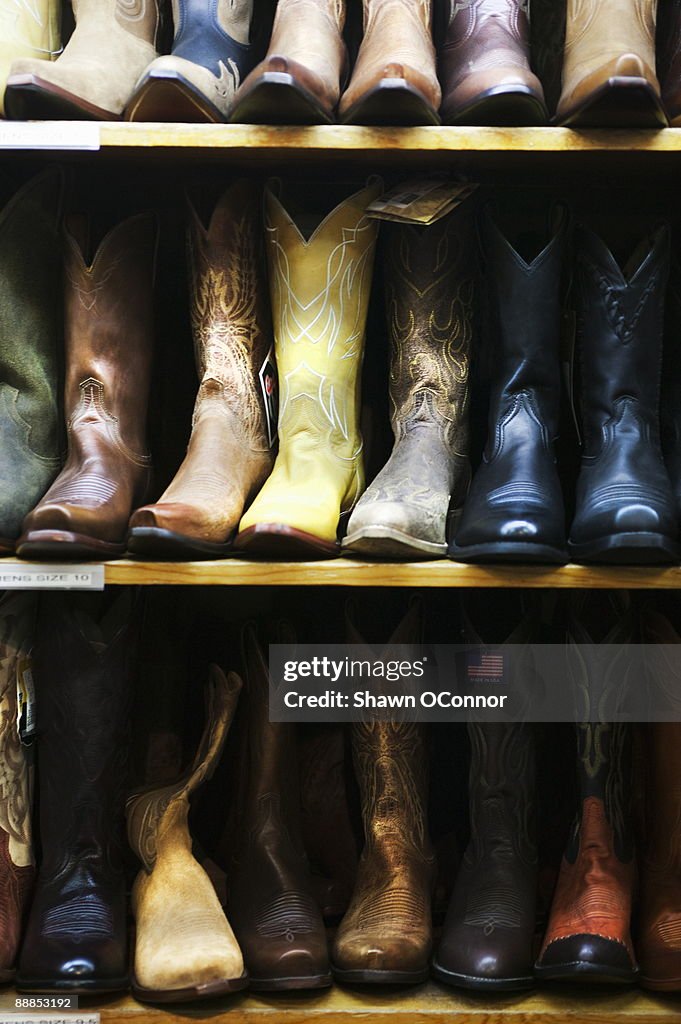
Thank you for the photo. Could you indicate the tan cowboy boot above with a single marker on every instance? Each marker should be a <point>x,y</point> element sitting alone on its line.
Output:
<point>609,66</point>
<point>229,455</point>
<point>185,948</point>
<point>17,870</point>
<point>27,30</point>
<point>394,79</point>
<point>299,81</point>
<point>93,79</point>
<point>320,288</point>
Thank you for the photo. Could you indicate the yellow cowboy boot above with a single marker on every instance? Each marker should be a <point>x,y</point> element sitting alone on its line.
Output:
<point>27,30</point>
<point>320,288</point>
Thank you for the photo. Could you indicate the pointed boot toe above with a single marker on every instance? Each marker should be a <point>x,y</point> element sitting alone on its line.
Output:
<point>388,529</point>
<point>173,530</point>
<point>591,958</point>
<point>173,90</point>
<point>380,959</point>
<point>399,95</point>
<point>282,91</point>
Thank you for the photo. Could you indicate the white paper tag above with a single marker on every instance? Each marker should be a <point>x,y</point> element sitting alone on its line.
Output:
<point>46,576</point>
<point>49,135</point>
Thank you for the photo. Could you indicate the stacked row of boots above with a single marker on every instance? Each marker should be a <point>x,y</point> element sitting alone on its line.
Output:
<point>221,67</point>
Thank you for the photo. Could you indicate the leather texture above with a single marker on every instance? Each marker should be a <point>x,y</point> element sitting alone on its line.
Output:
<point>76,934</point>
<point>429,288</point>
<point>670,394</point>
<point>397,47</point>
<point>669,58</point>
<point>211,54</point>
<point>229,455</point>
<point>385,935</point>
<point>109,324</point>
<point>514,510</point>
<point>484,65</point>
<point>487,940</point>
<point>94,77</point>
<point>275,918</point>
<point>17,862</point>
<point>184,945</point>
<point>307,56</point>
<point>658,935</point>
<point>606,40</point>
<point>31,336</point>
<point>588,938</point>
<point>320,289</point>
<point>32,31</point>
<point>624,503</point>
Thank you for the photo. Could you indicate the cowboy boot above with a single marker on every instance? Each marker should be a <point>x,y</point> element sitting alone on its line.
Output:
<point>212,51</point>
<point>299,81</point>
<point>588,938</point>
<point>320,293</point>
<point>609,66</point>
<point>107,473</point>
<point>658,942</point>
<point>76,935</point>
<point>93,79</point>
<point>484,65</point>
<point>184,946</point>
<point>487,940</point>
<point>17,615</point>
<point>276,921</point>
<point>385,936</point>
<point>624,503</point>
<point>32,31</point>
<point>429,283</point>
<point>30,344</point>
<point>669,58</point>
<point>514,509</point>
<point>229,455</point>
<point>670,393</point>
<point>394,79</point>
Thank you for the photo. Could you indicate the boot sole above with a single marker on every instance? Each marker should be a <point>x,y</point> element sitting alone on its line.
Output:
<point>169,97</point>
<point>76,987</point>
<point>478,984</point>
<point>378,977</point>
<point>191,993</point>
<point>391,102</point>
<point>276,540</point>
<point>660,984</point>
<point>628,549</point>
<point>502,107</point>
<point>542,554</point>
<point>312,981</point>
<point>582,971</point>
<point>31,98</point>
<point>276,98</point>
<point>387,542</point>
<point>620,102</point>
<point>60,545</point>
<point>154,542</point>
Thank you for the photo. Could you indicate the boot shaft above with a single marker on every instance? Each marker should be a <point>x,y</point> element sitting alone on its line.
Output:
<point>231,321</point>
<point>524,321</point>
<point>109,327</point>
<point>200,29</point>
<point>396,15</point>
<point>486,25</point>
<point>139,18</point>
<point>598,31</point>
<point>620,321</point>
<point>430,286</point>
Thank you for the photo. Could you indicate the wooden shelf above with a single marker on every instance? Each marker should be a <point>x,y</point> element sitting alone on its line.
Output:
<point>427,1004</point>
<point>344,572</point>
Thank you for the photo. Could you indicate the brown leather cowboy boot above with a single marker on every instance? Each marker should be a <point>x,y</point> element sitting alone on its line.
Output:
<point>588,939</point>
<point>299,81</point>
<point>484,65</point>
<point>609,76</point>
<point>184,946</point>
<point>669,58</point>
<point>385,936</point>
<point>658,943</point>
<point>17,865</point>
<point>430,287</point>
<point>275,919</point>
<point>107,473</point>
<point>394,79</point>
<point>229,454</point>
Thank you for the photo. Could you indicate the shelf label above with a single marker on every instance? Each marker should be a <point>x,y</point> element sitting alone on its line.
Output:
<point>49,135</point>
<point>50,576</point>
